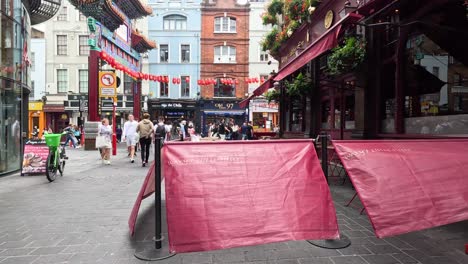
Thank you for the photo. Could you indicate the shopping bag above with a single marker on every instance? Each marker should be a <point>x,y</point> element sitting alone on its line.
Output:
<point>102,142</point>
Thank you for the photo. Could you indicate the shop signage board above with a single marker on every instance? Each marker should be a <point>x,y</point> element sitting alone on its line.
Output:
<point>35,158</point>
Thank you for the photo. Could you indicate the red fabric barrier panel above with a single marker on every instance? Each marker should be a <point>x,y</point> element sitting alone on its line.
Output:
<point>146,190</point>
<point>408,185</point>
<point>223,195</point>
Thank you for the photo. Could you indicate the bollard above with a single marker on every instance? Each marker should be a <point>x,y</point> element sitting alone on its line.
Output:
<point>343,241</point>
<point>159,251</point>
<point>324,141</point>
<point>157,190</point>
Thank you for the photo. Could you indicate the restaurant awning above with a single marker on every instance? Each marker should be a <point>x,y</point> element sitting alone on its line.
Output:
<point>326,41</point>
<point>259,91</point>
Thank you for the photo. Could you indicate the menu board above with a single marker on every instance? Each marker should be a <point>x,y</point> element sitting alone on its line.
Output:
<point>35,158</point>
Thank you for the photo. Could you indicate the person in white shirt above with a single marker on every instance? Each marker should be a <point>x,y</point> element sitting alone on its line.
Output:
<point>129,135</point>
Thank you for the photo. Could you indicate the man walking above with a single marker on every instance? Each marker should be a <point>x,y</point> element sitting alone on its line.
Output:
<point>129,135</point>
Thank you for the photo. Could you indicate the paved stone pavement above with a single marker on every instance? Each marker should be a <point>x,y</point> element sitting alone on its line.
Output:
<point>82,218</point>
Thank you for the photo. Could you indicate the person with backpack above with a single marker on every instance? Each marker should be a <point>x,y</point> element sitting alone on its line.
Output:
<point>145,128</point>
<point>160,130</point>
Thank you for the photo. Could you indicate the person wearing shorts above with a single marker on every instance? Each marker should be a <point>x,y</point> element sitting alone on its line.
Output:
<point>129,135</point>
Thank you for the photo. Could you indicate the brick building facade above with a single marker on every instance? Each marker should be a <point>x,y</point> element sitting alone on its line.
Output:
<point>225,47</point>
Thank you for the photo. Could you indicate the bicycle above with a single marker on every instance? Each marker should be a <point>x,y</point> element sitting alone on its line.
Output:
<point>56,158</point>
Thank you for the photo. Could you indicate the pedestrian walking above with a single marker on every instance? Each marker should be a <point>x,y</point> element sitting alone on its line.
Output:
<point>105,130</point>
<point>145,129</point>
<point>129,135</point>
<point>175,131</point>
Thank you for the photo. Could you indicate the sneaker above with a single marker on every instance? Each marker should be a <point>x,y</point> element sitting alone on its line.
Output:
<point>143,164</point>
<point>78,146</point>
<point>108,162</point>
<point>132,161</point>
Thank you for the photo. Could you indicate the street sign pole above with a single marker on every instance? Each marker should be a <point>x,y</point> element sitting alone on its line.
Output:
<point>114,127</point>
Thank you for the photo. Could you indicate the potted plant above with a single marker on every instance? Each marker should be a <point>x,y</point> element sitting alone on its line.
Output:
<point>301,85</point>
<point>347,56</point>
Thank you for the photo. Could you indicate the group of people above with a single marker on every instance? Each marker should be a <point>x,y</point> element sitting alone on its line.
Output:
<point>141,134</point>
<point>228,130</point>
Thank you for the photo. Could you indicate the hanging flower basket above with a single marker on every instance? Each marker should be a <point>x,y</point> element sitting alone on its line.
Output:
<point>272,95</point>
<point>301,85</point>
<point>347,56</point>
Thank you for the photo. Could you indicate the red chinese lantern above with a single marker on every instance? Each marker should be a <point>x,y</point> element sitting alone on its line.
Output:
<point>174,81</point>
<point>187,79</point>
<point>262,80</point>
<point>246,80</point>
<point>199,82</point>
<point>166,79</point>
<point>237,81</point>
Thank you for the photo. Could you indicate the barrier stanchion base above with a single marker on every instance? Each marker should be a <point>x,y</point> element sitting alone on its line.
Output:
<point>343,242</point>
<point>149,253</point>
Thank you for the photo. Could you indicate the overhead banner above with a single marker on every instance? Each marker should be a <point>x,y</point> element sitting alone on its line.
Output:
<point>230,194</point>
<point>408,185</point>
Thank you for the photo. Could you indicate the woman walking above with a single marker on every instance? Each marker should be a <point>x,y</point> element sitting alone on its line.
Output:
<point>145,128</point>
<point>105,130</point>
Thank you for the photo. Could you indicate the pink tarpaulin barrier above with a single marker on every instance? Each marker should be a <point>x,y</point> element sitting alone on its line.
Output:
<point>408,185</point>
<point>223,195</point>
<point>146,190</point>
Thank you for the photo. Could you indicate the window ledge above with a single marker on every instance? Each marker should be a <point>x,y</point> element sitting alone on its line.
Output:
<point>224,32</point>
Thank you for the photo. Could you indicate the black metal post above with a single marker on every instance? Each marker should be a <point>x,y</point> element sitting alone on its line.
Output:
<point>159,250</point>
<point>343,241</point>
<point>157,192</point>
<point>324,141</point>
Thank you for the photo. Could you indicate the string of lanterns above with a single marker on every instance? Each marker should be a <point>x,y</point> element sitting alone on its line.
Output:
<point>165,79</point>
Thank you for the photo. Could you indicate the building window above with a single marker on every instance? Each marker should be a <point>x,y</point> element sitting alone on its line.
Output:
<point>224,90</point>
<point>225,25</point>
<point>62,81</point>
<point>62,16</point>
<point>185,86</point>
<point>164,53</point>
<point>435,71</point>
<point>185,53</point>
<point>83,81</point>
<point>128,84</point>
<point>82,17</point>
<point>175,22</point>
<point>164,88</point>
<point>33,61</point>
<point>84,47</point>
<point>32,90</point>
<point>225,54</point>
<point>61,44</point>
<point>264,56</point>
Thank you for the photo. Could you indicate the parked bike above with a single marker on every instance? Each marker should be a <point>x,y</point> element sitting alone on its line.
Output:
<point>56,158</point>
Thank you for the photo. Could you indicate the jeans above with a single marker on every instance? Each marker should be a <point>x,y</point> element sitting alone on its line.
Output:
<point>145,144</point>
<point>69,137</point>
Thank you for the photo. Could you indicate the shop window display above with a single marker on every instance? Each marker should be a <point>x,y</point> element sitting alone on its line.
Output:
<point>15,81</point>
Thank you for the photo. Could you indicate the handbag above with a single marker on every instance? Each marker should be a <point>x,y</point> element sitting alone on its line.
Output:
<point>102,142</point>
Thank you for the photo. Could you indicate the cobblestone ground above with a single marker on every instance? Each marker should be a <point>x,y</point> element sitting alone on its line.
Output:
<point>82,218</point>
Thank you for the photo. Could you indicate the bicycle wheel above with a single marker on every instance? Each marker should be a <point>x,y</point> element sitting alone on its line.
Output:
<point>51,171</point>
<point>61,166</point>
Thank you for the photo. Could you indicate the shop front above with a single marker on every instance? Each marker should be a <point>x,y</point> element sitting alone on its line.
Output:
<point>15,82</point>
<point>171,109</point>
<point>56,117</point>
<point>422,92</point>
<point>216,111</point>
<point>264,115</point>
<point>36,118</point>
